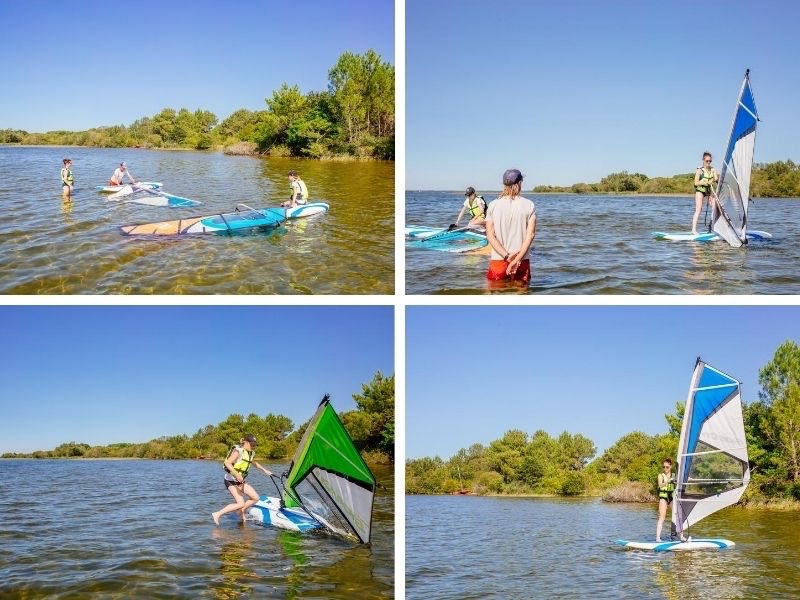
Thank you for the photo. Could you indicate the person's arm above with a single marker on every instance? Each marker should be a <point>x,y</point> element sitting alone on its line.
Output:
<point>130,176</point>
<point>461,214</point>
<point>530,234</point>
<point>697,176</point>
<point>493,241</point>
<point>229,462</point>
<point>267,472</point>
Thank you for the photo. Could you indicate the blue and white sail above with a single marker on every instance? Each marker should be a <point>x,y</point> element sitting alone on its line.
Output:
<point>733,194</point>
<point>713,469</point>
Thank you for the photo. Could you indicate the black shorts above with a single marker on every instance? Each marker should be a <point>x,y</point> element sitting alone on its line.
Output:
<point>229,483</point>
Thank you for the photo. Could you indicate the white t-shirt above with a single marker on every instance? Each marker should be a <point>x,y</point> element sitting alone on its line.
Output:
<point>478,202</point>
<point>510,218</point>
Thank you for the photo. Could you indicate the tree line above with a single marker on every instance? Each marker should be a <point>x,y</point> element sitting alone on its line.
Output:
<point>779,179</point>
<point>353,117</point>
<point>519,463</point>
<point>371,426</point>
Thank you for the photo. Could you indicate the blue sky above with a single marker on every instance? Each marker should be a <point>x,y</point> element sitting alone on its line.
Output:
<point>130,374</point>
<point>473,373</point>
<point>76,65</point>
<point>571,91</point>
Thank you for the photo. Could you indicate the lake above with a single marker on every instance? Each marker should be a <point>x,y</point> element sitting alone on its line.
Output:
<point>602,244</point>
<point>139,528</point>
<point>481,547</point>
<point>48,246</point>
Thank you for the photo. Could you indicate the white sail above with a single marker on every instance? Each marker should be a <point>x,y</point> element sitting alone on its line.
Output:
<point>733,194</point>
<point>713,469</point>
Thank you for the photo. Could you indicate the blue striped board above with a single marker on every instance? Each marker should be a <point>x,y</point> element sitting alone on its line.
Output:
<point>268,511</point>
<point>678,546</point>
<point>432,238</point>
<point>688,236</point>
<point>239,220</point>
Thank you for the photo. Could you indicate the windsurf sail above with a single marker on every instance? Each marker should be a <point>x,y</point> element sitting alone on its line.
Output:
<point>733,194</point>
<point>713,469</point>
<point>329,479</point>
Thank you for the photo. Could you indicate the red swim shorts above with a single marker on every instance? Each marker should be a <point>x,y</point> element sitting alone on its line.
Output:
<point>497,271</point>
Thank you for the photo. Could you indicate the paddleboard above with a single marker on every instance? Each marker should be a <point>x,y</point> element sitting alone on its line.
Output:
<point>268,511</point>
<point>688,236</point>
<point>227,222</point>
<point>431,238</point>
<point>110,189</point>
<point>677,546</point>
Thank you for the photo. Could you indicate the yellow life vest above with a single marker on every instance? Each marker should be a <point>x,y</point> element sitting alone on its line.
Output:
<point>241,466</point>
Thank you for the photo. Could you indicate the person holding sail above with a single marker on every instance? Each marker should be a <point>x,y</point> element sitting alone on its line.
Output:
<point>237,465</point>
<point>705,176</point>
<point>666,488</point>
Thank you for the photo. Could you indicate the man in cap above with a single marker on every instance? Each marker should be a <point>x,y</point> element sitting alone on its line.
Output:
<point>510,229</point>
<point>237,465</point>
<point>120,172</point>
<point>476,205</point>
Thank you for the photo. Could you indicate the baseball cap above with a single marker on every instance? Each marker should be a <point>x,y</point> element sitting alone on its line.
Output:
<point>512,176</point>
<point>250,438</point>
<point>470,190</point>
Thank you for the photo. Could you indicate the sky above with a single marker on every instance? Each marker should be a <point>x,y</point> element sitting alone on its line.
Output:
<point>473,373</point>
<point>101,375</point>
<point>571,91</point>
<point>77,65</point>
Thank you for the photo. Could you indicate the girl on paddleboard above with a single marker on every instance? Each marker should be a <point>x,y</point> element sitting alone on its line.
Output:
<point>704,178</point>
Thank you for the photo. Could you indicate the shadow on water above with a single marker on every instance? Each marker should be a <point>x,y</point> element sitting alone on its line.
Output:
<point>603,245</point>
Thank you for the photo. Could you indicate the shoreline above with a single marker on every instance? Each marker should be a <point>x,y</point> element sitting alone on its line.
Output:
<point>220,150</point>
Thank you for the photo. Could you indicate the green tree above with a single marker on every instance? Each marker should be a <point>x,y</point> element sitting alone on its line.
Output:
<point>780,395</point>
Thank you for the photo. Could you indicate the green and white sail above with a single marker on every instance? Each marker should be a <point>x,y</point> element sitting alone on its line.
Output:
<point>329,479</point>
<point>713,468</point>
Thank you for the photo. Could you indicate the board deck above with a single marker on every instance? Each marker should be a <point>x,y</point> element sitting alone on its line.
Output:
<point>432,238</point>
<point>111,189</point>
<point>678,546</point>
<point>688,236</point>
<point>226,222</point>
<point>268,511</point>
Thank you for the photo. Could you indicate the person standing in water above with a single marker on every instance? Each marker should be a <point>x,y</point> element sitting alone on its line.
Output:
<point>237,465</point>
<point>119,173</point>
<point>476,205</point>
<point>67,179</point>
<point>704,177</point>
<point>510,229</point>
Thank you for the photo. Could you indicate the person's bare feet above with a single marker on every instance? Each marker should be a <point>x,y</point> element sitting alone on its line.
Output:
<point>215,516</point>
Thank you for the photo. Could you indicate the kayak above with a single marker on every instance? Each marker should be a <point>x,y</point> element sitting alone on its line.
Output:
<point>268,511</point>
<point>688,236</point>
<point>242,218</point>
<point>110,189</point>
<point>444,240</point>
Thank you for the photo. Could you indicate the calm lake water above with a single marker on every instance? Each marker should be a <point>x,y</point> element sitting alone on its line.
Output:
<point>474,547</point>
<point>603,245</point>
<point>143,529</point>
<point>51,247</point>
